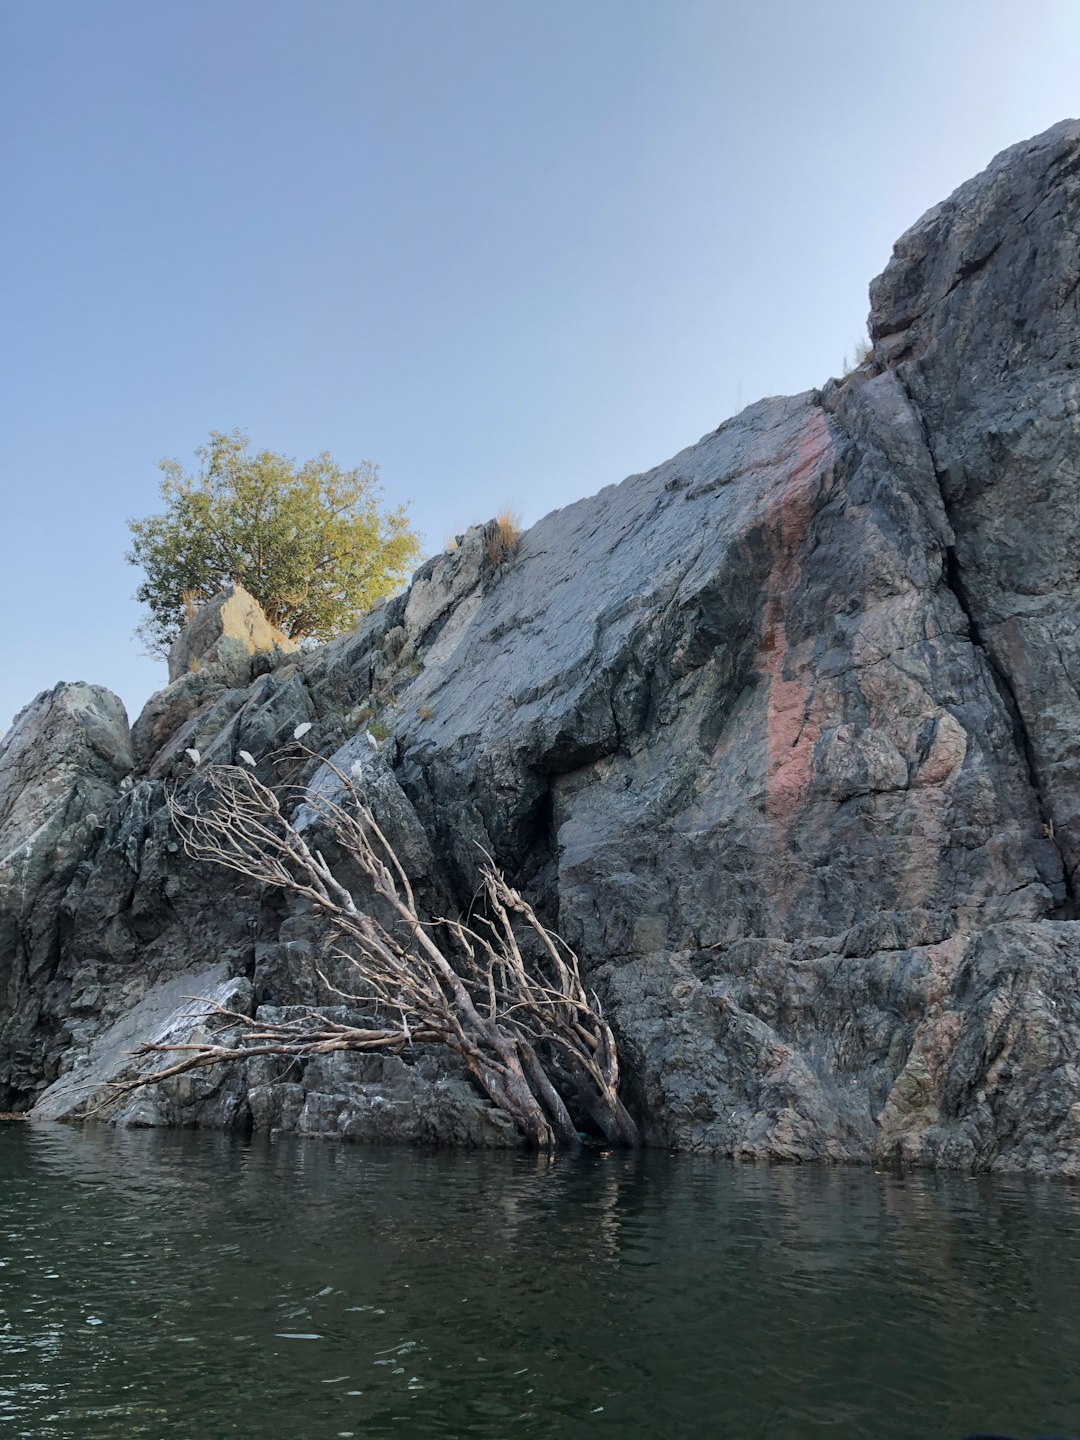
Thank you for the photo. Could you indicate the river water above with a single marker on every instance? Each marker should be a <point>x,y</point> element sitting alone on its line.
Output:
<point>202,1286</point>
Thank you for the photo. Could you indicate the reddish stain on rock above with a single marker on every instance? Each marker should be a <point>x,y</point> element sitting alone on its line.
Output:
<point>791,728</point>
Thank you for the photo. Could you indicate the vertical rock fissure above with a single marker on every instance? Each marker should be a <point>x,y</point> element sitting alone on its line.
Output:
<point>953,575</point>
<point>954,578</point>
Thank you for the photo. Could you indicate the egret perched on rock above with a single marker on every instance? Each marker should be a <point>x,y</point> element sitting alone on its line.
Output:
<point>301,730</point>
<point>193,756</point>
<point>247,757</point>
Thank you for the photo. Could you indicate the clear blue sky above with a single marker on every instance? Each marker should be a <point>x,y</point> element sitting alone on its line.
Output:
<point>510,251</point>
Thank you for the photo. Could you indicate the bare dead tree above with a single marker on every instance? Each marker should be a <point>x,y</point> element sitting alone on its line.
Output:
<point>528,1032</point>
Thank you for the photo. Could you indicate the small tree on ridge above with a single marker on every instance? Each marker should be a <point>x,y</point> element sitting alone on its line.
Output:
<point>309,541</point>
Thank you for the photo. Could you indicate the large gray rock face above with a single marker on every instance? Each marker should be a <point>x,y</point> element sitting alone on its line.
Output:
<point>784,735</point>
<point>61,767</point>
<point>979,314</point>
<point>732,691</point>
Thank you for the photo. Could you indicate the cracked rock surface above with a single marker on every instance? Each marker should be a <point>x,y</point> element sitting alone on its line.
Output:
<point>783,735</point>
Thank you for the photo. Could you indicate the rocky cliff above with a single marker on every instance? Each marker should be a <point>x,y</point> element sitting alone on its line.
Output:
<point>783,735</point>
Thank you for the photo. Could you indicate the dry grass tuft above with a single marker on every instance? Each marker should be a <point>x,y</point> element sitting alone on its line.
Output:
<point>504,532</point>
<point>864,355</point>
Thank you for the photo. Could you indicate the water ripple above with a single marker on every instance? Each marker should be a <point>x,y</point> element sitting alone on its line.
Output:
<point>197,1285</point>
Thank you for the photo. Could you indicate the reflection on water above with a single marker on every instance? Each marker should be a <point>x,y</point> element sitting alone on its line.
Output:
<point>198,1286</point>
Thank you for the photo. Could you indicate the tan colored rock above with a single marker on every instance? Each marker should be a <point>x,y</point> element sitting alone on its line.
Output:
<point>225,635</point>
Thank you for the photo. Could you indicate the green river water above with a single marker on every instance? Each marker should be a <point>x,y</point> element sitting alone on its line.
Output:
<point>201,1286</point>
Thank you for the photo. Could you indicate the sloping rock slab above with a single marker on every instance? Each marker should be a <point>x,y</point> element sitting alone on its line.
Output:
<point>172,1012</point>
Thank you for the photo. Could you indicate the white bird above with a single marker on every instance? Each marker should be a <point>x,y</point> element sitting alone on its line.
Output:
<point>247,757</point>
<point>371,740</point>
<point>193,756</point>
<point>301,730</point>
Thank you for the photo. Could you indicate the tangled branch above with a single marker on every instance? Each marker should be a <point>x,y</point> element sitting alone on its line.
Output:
<point>503,992</point>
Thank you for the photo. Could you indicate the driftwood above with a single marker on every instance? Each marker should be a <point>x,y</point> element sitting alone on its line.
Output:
<point>531,1036</point>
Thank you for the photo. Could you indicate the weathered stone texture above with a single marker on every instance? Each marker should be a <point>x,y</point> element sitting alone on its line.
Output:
<point>61,767</point>
<point>784,735</point>
<point>224,636</point>
<point>979,313</point>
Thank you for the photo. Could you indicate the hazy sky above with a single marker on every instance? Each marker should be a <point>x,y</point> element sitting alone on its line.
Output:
<point>510,251</point>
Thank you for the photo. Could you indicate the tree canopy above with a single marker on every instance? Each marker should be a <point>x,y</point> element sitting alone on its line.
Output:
<point>310,542</point>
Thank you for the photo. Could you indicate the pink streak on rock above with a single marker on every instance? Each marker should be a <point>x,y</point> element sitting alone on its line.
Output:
<point>791,728</point>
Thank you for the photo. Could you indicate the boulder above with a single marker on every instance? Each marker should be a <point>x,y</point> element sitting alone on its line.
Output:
<point>224,636</point>
<point>225,646</point>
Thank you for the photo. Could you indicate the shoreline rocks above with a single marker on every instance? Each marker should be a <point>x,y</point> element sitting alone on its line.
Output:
<point>783,736</point>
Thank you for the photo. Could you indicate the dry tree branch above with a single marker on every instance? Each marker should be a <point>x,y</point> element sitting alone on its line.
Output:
<point>526,1029</point>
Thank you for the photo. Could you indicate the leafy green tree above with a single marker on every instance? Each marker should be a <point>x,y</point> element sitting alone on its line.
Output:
<point>310,542</point>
